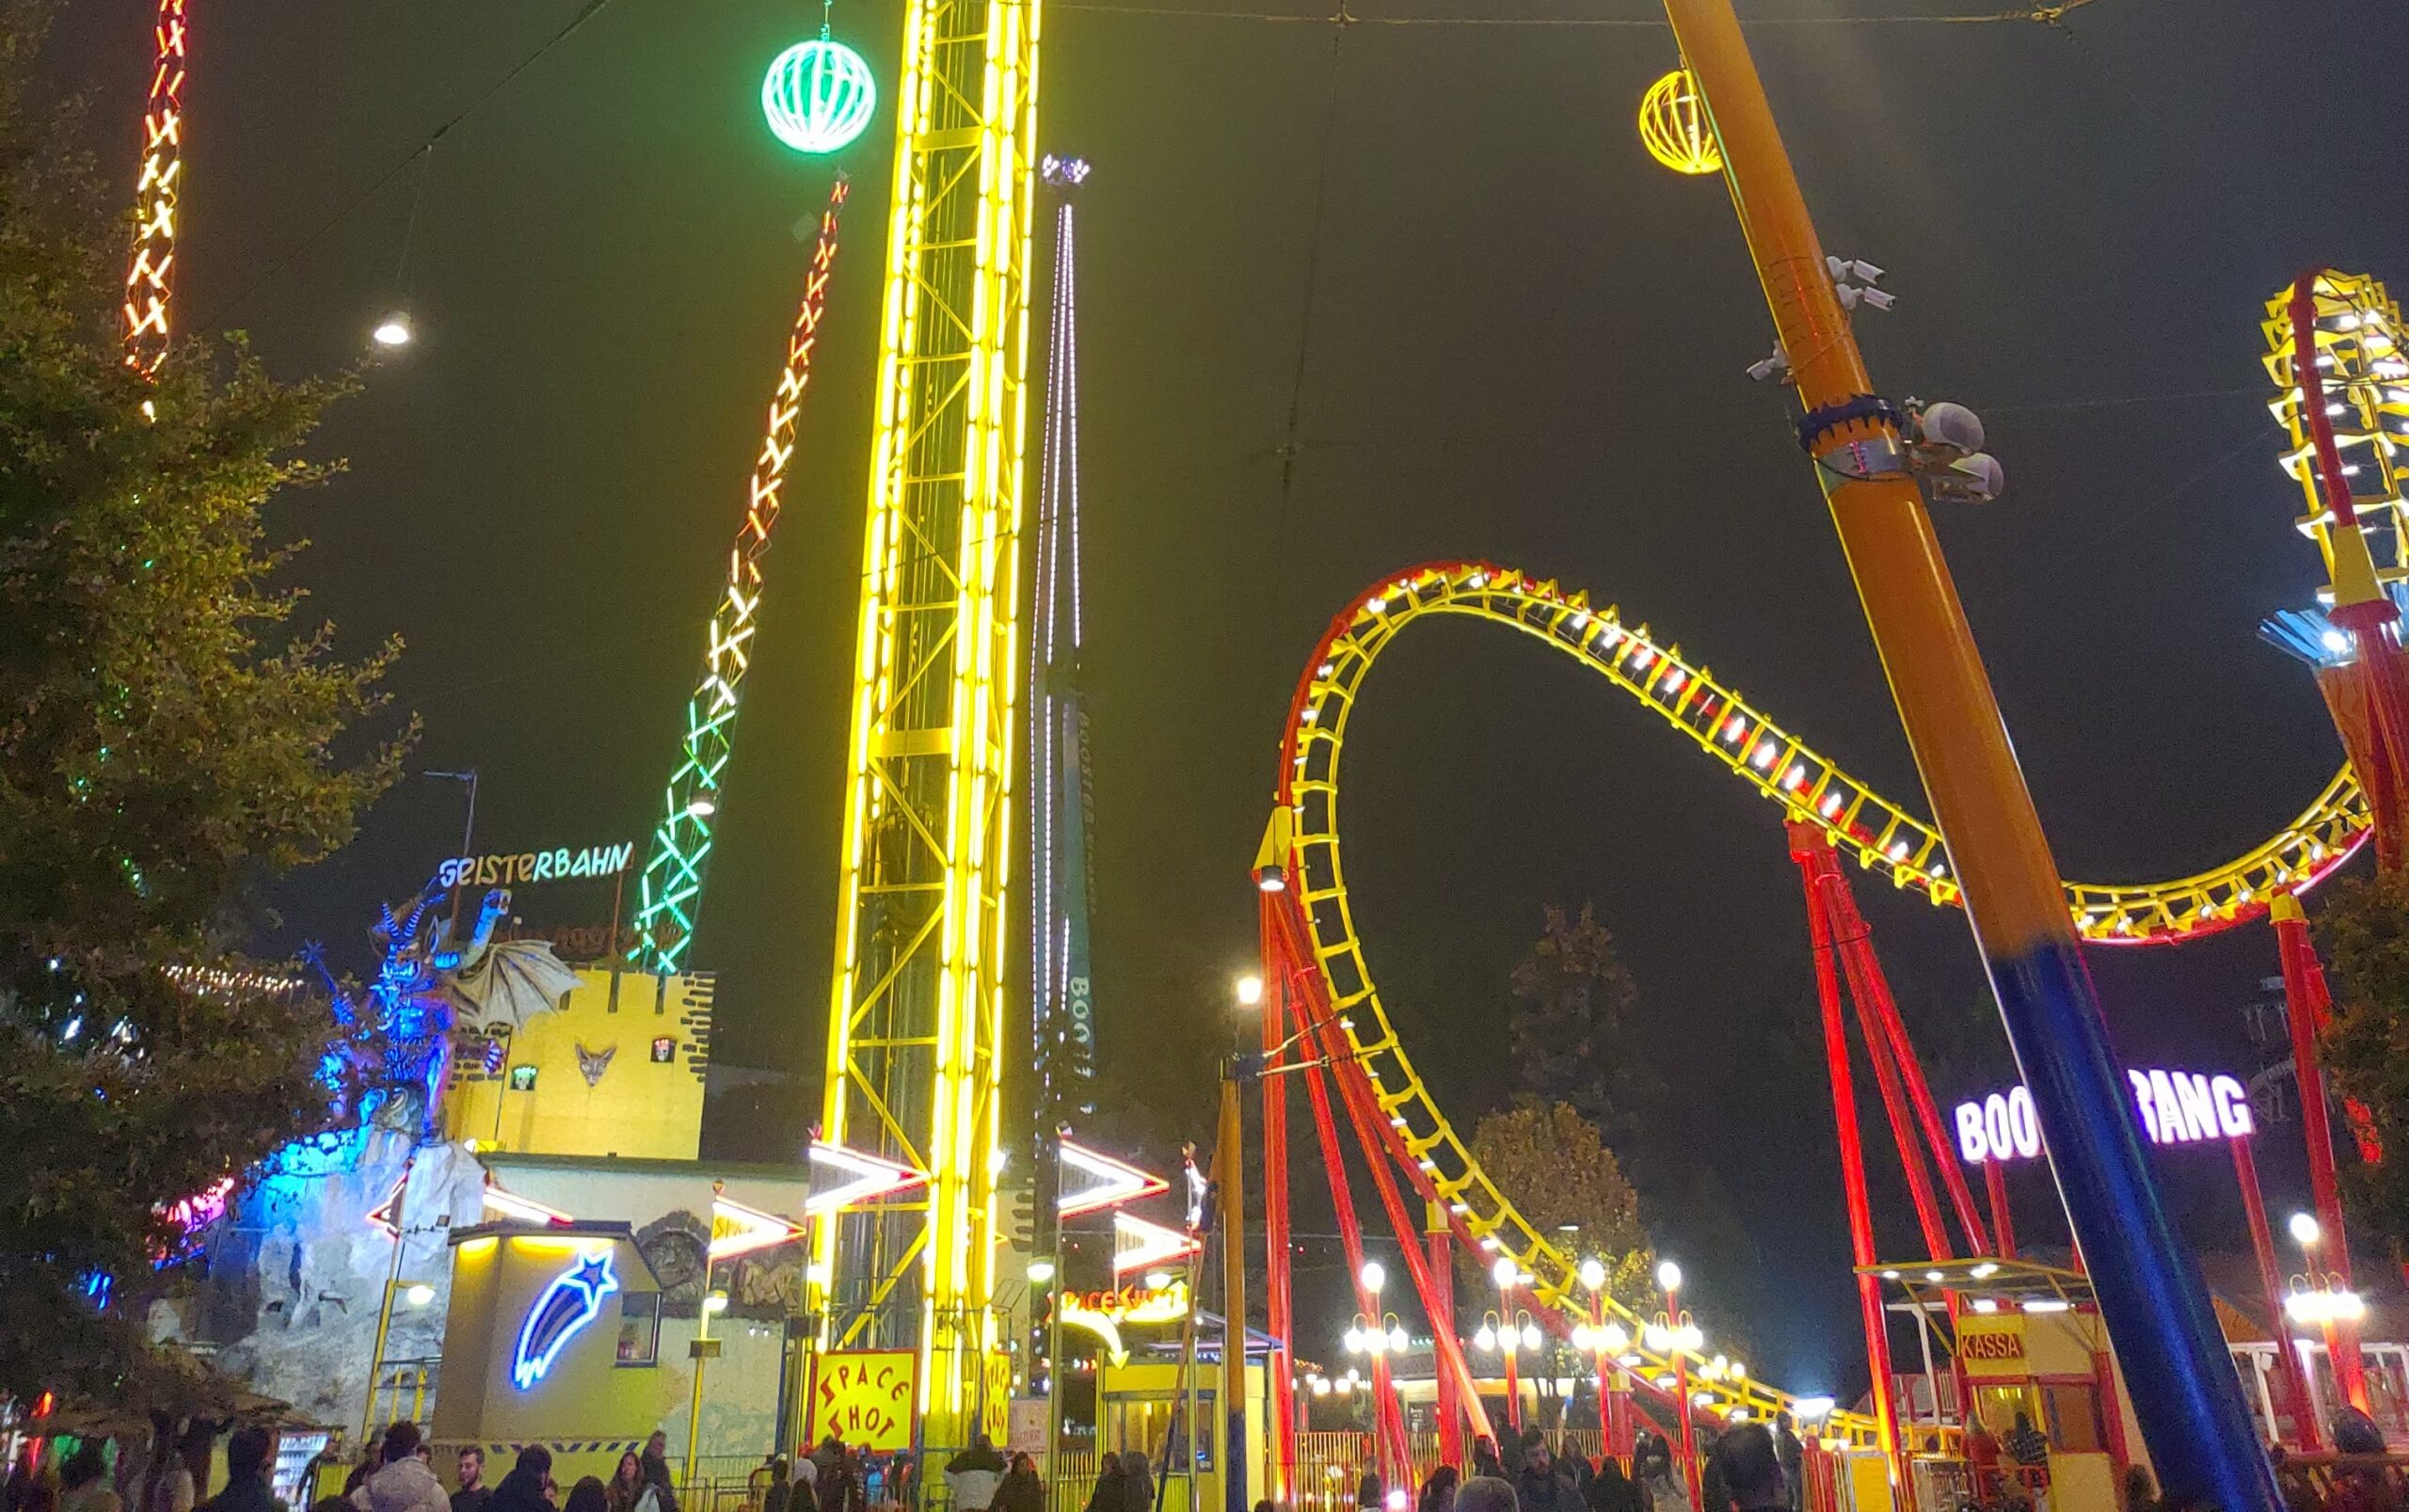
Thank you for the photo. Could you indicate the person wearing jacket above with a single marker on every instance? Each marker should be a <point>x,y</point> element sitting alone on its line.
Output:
<point>973,1475</point>
<point>403,1483</point>
<point>522,1490</point>
<point>247,1489</point>
<point>1022,1490</point>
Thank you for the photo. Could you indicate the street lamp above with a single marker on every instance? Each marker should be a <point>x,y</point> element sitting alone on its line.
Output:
<point>1606,1339</point>
<point>1250,989</point>
<point>1681,1336</point>
<point>1506,1272</point>
<point>2304,1229</point>
<point>1374,1335</point>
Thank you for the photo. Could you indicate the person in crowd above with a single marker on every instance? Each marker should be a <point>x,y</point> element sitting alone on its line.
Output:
<point>370,1463</point>
<point>1753,1469</point>
<point>1981,1458</point>
<point>474,1493</point>
<point>779,1494</point>
<point>1368,1490</point>
<point>1792,1451</point>
<point>1540,1485</point>
<point>1484,1494</point>
<point>974,1475</point>
<point>169,1485</point>
<point>1485,1460</point>
<point>1111,1494</point>
<point>1438,1493</point>
<point>588,1495</point>
<point>2026,1445</point>
<point>1611,1490</point>
<point>248,1452</point>
<point>1139,1494</point>
<point>1652,1458</point>
<point>1577,1468</point>
<point>1022,1490</point>
<point>401,1482</point>
<point>85,1484</point>
<point>522,1490</point>
<point>655,1496</point>
<point>2356,1433</point>
<point>627,1482</point>
<point>1713,1491</point>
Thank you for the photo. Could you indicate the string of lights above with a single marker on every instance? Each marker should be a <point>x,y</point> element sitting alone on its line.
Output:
<point>150,279</point>
<point>670,892</point>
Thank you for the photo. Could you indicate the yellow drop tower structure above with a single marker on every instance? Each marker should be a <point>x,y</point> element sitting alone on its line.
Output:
<point>916,1028</point>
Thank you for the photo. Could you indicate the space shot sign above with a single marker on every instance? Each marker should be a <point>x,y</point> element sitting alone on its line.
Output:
<point>2176,1107</point>
<point>560,863</point>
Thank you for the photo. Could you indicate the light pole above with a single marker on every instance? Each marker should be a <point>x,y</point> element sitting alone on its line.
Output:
<point>702,1348</point>
<point>1372,1278</point>
<point>1679,1336</point>
<point>1606,1340</point>
<point>1504,1273</point>
<point>2325,1298</point>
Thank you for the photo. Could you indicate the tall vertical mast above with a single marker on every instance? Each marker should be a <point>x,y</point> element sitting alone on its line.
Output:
<point>916,1028</point>
<point>1061,805</point>
<point>150,278</point>
<point>671,890</point>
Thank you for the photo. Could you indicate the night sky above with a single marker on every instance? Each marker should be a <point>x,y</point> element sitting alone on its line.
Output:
<point>1524,341</point>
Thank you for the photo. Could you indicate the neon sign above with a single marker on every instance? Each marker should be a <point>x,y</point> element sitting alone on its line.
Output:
<point>2176,1107</point>
<point>559,865</point>
<point>1102,1313</point>
<point>560,1314</point>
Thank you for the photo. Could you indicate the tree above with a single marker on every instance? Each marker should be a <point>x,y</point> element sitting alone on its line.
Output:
<point>2365,924</point>
<point>1550,1163</point>
<point>159,760</point>
<point>1571,1029</point>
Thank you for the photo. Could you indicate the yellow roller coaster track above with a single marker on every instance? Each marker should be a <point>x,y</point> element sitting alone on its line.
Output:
<point>1882,836</point>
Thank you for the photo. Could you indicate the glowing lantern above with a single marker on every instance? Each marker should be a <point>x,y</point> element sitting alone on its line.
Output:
<point>1674,127</point>
<point>819,95</point>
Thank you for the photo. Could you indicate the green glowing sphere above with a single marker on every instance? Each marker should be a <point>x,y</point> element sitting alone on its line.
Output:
<point>819,96</point>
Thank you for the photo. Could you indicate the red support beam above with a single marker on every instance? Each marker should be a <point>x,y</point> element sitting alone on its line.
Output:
<point>1279,1298</point>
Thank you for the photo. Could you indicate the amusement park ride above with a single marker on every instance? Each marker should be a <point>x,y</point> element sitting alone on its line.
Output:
<point>919,1036</point>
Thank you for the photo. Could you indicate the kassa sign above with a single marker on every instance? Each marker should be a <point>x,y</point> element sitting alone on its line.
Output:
<point>2176,1107</point>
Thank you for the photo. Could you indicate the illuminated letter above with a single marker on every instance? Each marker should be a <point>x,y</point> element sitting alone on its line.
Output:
<point>526,866</point>
<point>560,862</point>
<point>1970,1144</point>
<point>2149,1104</point>
<point>2023,1122</point>
<point>2199,1107</point>
<point>2171,1123</point>
<point>1996,1124</point>
<point>543,866</point>
<point>2233,1107</point>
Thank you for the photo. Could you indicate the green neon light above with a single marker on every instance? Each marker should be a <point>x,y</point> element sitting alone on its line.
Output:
<point>819,95</point>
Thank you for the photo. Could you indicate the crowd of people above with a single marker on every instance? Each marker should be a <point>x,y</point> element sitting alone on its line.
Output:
<point>1751,1467</point>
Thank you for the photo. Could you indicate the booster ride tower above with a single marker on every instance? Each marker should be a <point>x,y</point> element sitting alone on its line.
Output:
<point>917,1038</point>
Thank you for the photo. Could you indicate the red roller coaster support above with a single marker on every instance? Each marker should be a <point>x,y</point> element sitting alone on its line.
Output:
<point>2003,1225</point>
<point>2303,1005</point>
<point>2262,1244</point>
<point>1388,1422</point>
<point>1279,1302</point>
<point>1814,854</point>
<point>1443,1325</point>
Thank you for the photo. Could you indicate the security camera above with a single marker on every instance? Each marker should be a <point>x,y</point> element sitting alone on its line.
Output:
<point>1775,366</point>
<point>1975,479</point>
<point>1876,298</point>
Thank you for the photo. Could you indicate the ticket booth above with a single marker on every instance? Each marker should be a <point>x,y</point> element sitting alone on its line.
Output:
<point>1143,1406</point>
<point>553,1337</point>
<point>2030,1353</point>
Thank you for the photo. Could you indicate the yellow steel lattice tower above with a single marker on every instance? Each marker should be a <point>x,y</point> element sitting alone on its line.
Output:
<point>916,1017</point>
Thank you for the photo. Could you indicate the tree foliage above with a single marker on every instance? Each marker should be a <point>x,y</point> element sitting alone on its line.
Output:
<point>1553,1165</point>
<point>1572,1028</point>
<point>2365,925</point>
<point>166,743</point>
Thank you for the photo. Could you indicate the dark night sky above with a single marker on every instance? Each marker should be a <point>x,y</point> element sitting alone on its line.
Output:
<point>1525,343</point>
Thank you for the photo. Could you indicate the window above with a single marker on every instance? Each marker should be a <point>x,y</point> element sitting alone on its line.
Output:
<point>664,1050</point>
<point>522,1078</point>
<point>2074,1418</point>
<point>639,1328</point>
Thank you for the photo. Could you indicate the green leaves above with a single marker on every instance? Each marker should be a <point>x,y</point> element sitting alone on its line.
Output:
<point>168,739</point>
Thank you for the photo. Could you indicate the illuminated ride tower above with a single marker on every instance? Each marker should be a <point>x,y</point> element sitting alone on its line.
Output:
<point>1061,805</point>
<point>150,278</point>
<point>917,1038</point>
<point>670,892</point>
<point>2347,416</point>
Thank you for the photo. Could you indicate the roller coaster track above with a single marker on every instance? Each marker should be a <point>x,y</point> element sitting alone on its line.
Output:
<point>1882,836</point>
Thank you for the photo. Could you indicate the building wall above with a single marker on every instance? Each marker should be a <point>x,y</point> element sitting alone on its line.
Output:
<point>617,1069</point>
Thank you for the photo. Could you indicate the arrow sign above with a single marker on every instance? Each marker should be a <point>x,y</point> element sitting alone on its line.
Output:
<point>1109,1182</point>
<point>856,1179</point>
